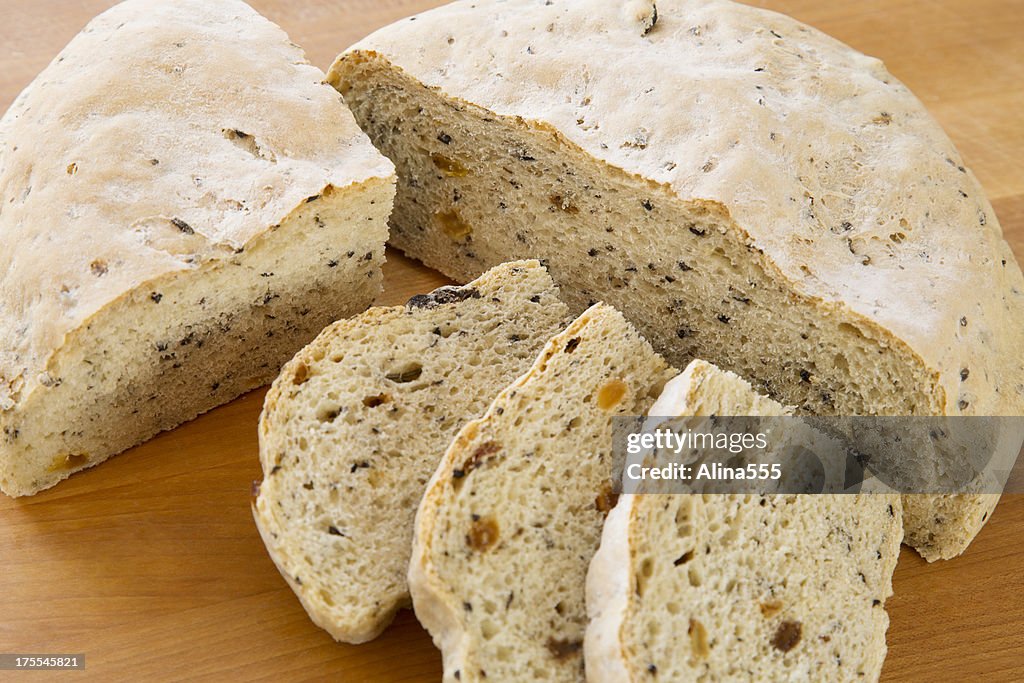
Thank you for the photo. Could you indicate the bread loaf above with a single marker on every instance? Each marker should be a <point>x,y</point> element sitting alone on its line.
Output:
<point>355,425</point>
<point>169,235</point>
<point>745,188</point>
<point>513,514</point>
<point>740,587</point>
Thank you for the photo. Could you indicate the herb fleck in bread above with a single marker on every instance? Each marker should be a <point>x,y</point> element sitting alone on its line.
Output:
<point>740,587</point>
<point>169,235</point>
<point>745,188</point>
<point>355,425</point>
<point>512,515</point>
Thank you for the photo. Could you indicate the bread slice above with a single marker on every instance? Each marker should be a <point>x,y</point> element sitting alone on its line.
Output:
<point>355,425</point>
<point>740,587</point>
<point>169,235</point>
<point>725,176</point>
<point>508,524</point>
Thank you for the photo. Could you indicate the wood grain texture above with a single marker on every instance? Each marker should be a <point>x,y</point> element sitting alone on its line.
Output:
<point>151,564</point>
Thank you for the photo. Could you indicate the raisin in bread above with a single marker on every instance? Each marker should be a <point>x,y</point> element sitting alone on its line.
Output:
<point>355,425</point>
<point>509,521</point>
<point>169,235</point>
<point>745,188</point>
<point>740,587</point>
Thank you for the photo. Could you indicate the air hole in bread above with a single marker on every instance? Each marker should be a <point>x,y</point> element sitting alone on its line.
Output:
<point>653,629</point>
<point>698,639</point>
<point>719,261</point>
<point>328,414</point>
<point>693,575</point>
<point>847,328</point>
<point>683,513</point>
<point>645,573</point>
<point>488,629</point>
<point>409,372</point>
<point>444,331</point>
<point>452,224</point>
<point>684,558</point>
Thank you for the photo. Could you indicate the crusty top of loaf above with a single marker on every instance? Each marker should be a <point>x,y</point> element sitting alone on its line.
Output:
<point>830,164</point>
<point>167,134</point>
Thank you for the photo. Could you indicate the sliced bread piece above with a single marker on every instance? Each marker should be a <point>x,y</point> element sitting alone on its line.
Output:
<point>355,425</point>
<point>735,182</point>
<point>170,234</point>
<point>513,514</point>
<point>740,587</point>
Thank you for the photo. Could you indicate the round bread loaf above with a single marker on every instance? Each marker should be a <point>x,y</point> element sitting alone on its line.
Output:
<point>745,188</point>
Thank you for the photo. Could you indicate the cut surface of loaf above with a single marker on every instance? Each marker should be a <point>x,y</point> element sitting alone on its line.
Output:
<point>716,587</point>
<point>355,425</point>
<point>512,515</point>
<point>169,236</point>
<point>724,175</point>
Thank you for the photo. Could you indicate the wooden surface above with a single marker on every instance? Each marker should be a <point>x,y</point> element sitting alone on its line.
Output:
<point>151,565</point>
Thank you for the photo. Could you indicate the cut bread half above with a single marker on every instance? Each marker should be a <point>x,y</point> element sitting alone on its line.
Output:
<point>355,425</point>
<point>170,237</point>
<point>731,179</point>
<point>509,522</point>
<point>740,587</point>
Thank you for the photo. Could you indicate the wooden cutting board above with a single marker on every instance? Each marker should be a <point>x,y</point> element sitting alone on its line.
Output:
<point>151,565</point>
